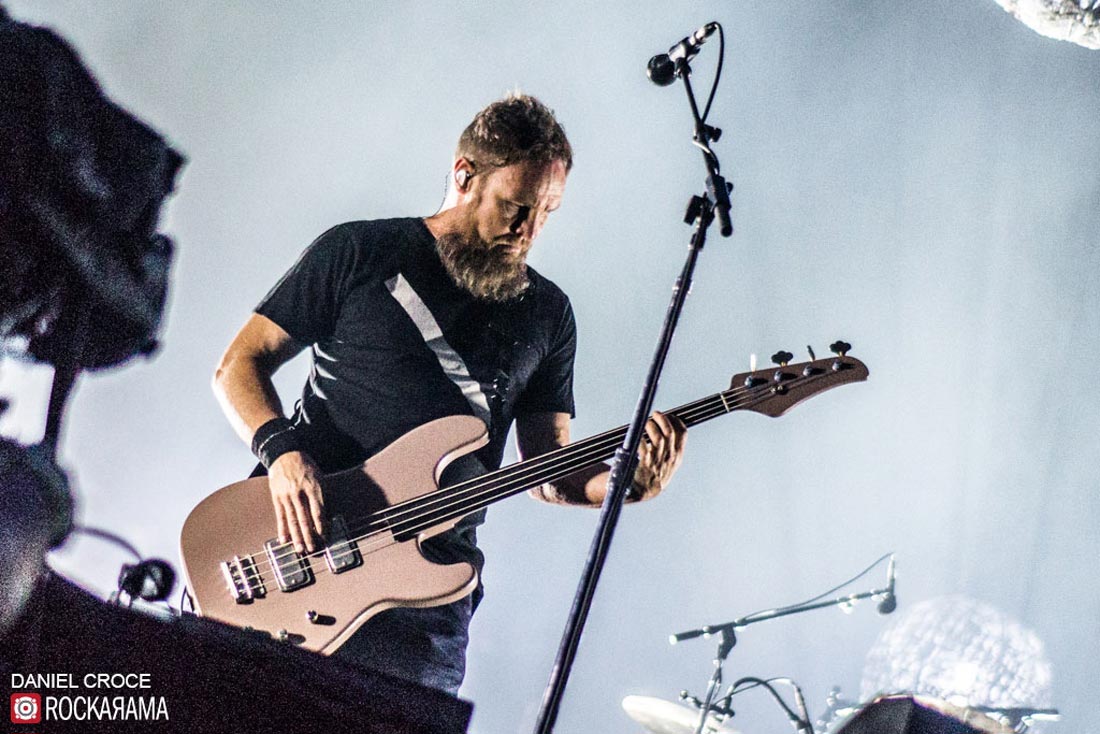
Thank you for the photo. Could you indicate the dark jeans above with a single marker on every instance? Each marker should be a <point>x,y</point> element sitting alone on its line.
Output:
<point>426,646</point>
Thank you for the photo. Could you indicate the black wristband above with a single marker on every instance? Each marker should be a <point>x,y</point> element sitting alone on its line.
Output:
<point>273,439</point>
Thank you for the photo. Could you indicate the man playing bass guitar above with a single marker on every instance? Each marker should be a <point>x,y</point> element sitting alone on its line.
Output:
<point>410,320</point>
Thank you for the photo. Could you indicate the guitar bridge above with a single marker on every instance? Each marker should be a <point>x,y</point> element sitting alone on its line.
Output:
<point>244,581</point>
<point>341,554</point>
<point>292,570</point>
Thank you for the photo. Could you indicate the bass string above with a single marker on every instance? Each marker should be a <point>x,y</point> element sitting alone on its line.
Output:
<point>484,493</point>
<point>564,462</point>
<point>385,532</point>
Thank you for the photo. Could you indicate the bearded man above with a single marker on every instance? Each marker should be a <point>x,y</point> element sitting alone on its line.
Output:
<point>410,320</point>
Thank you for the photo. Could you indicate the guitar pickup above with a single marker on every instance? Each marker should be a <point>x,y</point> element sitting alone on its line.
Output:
<point>243,579</point>
<point>292,570</point>
<point>341,554</point>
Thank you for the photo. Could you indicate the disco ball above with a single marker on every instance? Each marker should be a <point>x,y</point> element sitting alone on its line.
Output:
<point>962,651</point>
<point>1076,21</point>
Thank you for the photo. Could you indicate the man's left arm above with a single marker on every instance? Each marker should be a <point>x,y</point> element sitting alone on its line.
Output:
<point>658,459</point>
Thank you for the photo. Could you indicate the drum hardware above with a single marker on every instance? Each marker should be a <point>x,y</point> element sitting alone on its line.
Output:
<point>1018,718</point>
<point>665,717</point>
<point>835,708</point>
<point>906,713</point>
<point>726,633</point>
<point>846,717</point>
<point>720,708</point>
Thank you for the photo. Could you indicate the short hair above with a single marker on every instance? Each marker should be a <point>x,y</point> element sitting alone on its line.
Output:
<point>518,128</point>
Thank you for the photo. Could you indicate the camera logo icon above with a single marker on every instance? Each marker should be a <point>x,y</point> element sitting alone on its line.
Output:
<point>26,708</point>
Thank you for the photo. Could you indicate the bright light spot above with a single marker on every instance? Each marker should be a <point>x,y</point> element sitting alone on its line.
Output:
<point>962,651</point>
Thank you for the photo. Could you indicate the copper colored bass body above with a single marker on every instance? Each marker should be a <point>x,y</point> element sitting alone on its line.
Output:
<point>386,573</point>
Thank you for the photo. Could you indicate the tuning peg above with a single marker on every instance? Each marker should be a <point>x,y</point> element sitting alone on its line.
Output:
<point>840,347</point>
<point>811,351</point>
<point>782,358</point>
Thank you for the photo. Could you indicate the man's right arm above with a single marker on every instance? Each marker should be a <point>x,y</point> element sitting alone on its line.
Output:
<point>243,386</point>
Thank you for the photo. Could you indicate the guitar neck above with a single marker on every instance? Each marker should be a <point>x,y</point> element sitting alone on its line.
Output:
<point>461,499</point>
<point>772,392</point>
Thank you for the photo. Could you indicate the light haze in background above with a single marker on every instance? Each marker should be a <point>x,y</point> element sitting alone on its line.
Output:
<point>920,179</point>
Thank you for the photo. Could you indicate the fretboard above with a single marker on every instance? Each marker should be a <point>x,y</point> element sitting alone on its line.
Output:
<point>770,391</point>
<point>459,500</point>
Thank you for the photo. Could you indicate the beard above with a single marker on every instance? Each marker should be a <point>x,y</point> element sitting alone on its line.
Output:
<point>487,272</point>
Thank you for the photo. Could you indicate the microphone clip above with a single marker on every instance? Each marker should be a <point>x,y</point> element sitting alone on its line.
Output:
<point>663,69</point>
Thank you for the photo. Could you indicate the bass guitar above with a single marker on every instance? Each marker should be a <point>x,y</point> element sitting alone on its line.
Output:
<point>240,573</point>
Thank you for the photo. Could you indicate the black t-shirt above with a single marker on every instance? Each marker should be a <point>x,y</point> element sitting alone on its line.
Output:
<point>395,344</point>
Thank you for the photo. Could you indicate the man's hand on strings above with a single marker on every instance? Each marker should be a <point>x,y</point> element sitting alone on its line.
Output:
<point>658,457</point>
<point>295,483</point>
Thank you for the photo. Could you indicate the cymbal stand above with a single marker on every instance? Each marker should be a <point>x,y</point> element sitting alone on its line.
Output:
<point>728,638</point>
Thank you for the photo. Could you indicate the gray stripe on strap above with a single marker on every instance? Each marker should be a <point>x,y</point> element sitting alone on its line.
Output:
<point>449,359</point>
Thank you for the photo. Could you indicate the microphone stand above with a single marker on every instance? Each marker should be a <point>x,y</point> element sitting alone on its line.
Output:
<point>701,210</point>
<point>728,638</point>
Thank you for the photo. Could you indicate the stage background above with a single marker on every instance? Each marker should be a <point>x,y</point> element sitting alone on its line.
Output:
<point>919,179</point>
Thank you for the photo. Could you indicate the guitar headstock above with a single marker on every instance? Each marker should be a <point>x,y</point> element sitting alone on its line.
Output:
<point>776,390</point>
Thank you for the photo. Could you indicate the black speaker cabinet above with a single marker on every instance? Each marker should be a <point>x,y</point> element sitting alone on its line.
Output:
<point>212,677</point>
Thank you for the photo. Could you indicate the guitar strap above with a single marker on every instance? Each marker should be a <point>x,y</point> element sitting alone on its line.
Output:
<point>450,360</point>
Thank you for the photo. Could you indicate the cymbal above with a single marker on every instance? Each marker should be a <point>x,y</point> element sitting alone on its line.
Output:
<point>665,717</point>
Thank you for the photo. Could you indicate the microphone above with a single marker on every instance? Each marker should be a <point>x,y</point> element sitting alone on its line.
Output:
<point>661,69</point>
<point>889,600</point>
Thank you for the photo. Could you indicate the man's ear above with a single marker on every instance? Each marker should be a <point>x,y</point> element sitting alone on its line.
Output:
<point>463,171</point>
